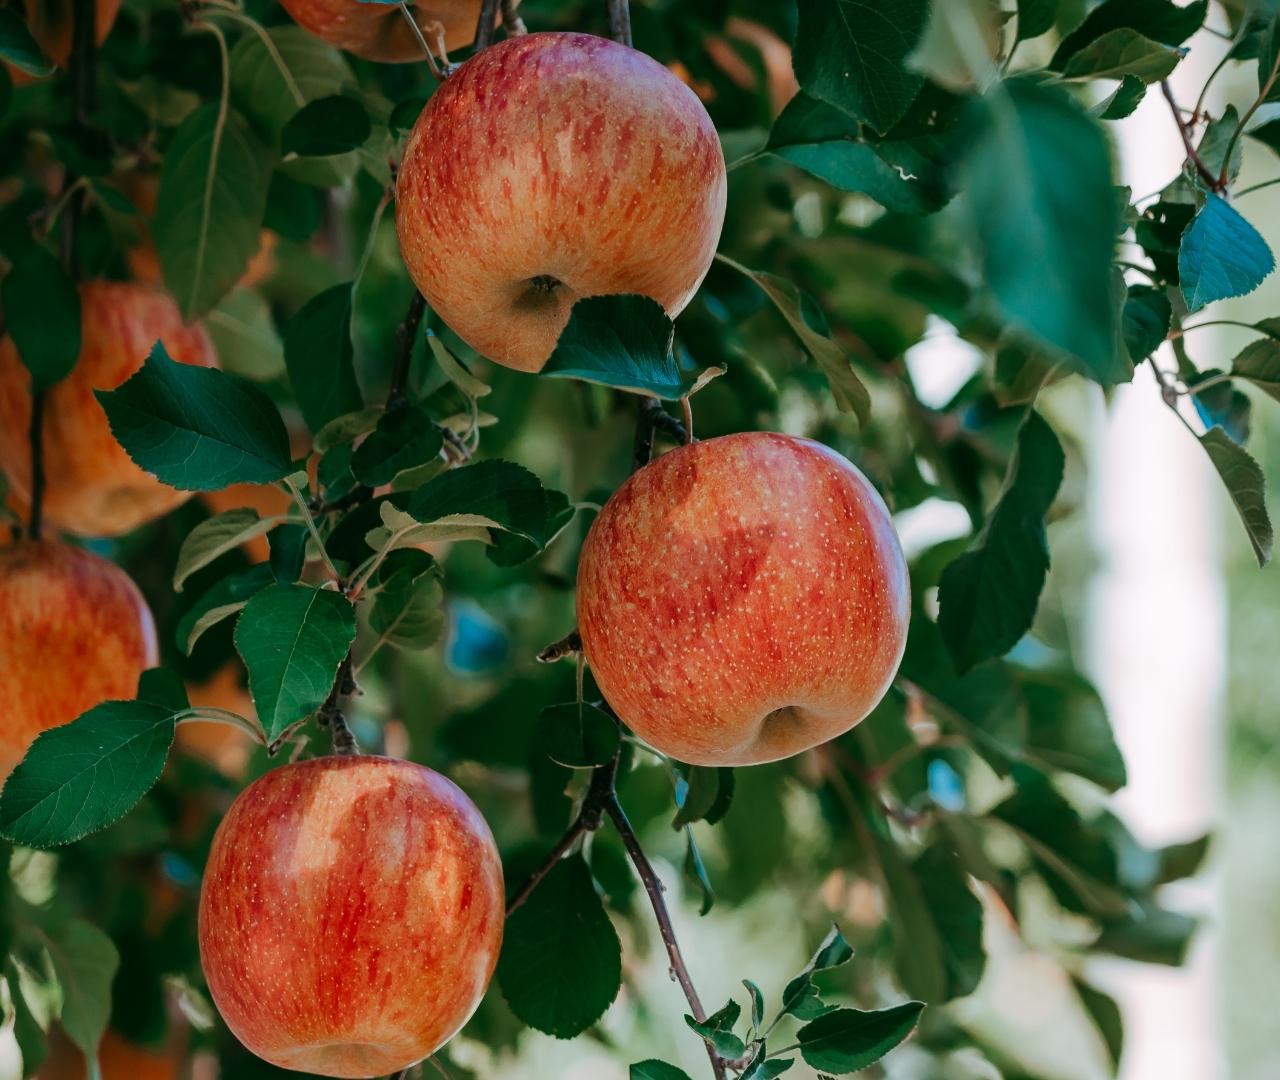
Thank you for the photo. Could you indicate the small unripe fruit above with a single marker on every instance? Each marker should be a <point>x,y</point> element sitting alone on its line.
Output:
<point>351,915</point>
<point>552,167</point>
<point>743,599</point>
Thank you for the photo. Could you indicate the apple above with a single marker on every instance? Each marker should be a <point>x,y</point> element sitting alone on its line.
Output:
<point>74,632</point>
<point>351,914</point>
<point>743,599</point>
<point>52,23</point>
<point>380,31</point>
<point>552,167</point>
<point>92,487</point>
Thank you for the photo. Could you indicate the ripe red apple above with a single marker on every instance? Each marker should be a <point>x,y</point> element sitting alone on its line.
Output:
<point>351,914</point>
<point>74,631</point>
<point>743,599</point>
<point>380,31</point>
<point>552,167</point>
<point>93,488</point>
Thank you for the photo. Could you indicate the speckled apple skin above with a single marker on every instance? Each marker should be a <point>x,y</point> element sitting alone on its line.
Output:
<point>351,914</point>
<point>743,599</point>
<point>74,631</point>
<point>380,32</point>
<point>92,487</point>
<point>559,156</point>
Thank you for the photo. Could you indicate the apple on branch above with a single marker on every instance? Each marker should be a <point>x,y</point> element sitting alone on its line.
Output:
<point>552,167</point>
<point>351,914</point>
<point>379,31</point>
<point>743,599</point>
<point>93,488</point>
<point>74,632</point>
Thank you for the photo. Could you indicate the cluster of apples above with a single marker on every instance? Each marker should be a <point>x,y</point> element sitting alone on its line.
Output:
<point>740,599</point>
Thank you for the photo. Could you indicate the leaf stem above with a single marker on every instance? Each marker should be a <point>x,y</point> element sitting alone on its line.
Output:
<point>1215,182</point>
<point>436,70</point>
<point>1258,187</point>
<point>207,714</point>
<point>310,522</point>
<point>1263,93</point>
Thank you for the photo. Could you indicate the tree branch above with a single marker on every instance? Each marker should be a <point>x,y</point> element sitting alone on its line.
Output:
<point>511,21</point>
<point>487,24</point>
<point>330,714</point>
<point>652,418</point>
<point>406,337</point>
<point>620,21</point>
<point>1215,182</point>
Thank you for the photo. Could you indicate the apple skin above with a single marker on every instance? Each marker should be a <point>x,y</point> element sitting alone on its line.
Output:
<point>351,914</point>
<point>743,599</point>
<point>74,632</point>
<point>93,488</point>
<point>380,32</point>
<point>548,168</point>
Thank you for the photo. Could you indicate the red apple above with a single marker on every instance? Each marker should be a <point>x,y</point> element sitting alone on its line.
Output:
<point>93,488</point>
<point>552,167</point>
<point>351,914</point>
<point>380,31</point>
<point>743,599</point>
<point>74,631</point>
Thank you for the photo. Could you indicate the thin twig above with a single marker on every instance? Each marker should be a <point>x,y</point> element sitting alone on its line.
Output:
<point>572,835</point>
<point>406,337</point>
<point>652,418</point>
<point>437,70</point>
<point>620,21</point>
<point>1215,182</point>
<point>331,712</point>
<point>487,24</point>
<point>1263,93</point>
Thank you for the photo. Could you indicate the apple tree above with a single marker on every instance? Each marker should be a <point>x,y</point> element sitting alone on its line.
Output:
<point>453,454</point>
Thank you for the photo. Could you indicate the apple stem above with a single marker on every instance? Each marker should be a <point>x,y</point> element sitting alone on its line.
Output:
<point>511,20</point>
<point>651,419</point>
<point>331,715</point>
<point>620,22</point>
<point>487,24</point>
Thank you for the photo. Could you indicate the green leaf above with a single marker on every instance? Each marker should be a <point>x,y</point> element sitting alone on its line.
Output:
<point>1221,255</point>
<point>577,734</point>
<point>852,54</point>
<point>1067,728</point>
<point>321,359</point>
<point>245,337</point>
<point>1153,935</point>
<point>490,494</point>
<point>1035,17</point>
<point>762,1067</point>
<point>292,639</point>
<point>1247,487</point>
<point>1178,861</point>
<point>800,997</point>
<point>1042,211</point>
<point>717,1029</point>
<point>42,315</point>
<point>1224,406</point>
<point>656,1070</point>
<point>620,341</point>
<point>847,1040</point>
<point>214,537</point>
<point>405,438</point>
<point>346,428</point>
<point>697,870</point>
<point>561,962</point>
<point>1123,100</point>
<point>19,48</point>
<point>988,596</point>
<point>1145,321</point>
<point>1105,1014</point>
<point>847,389</point>
<point>1268,134</point>
<point>327,125</point>
<point>219,602</point>
<point>907,176</point>
<point>197,429</point>
<point>213,195</point>
<point>757,1003</point>
<point>408,606</point>
<point>703,793</point>
<point>82,776</point>
<point>85,963</point>
<point>1159,20</point>
<point>1123,53</point>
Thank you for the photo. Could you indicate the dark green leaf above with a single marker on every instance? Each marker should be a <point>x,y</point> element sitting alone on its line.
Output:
<point>657,1070</point>
<point>408,610</point>
<point>85,963</point>
<point>405,114</point>
<point>1105,1014</point>
<point>702,793</point>
<point>697,871</point>
<point>1259,363</point>
<point>1123,53</point>
<point>852,54</point>
<point>1221,255</point>
<point>19,48</point>
<point>622,341</point>
<point>847,1040</point>
<point>42,315</point>
<point>288,552</point>
<point>213,195</point>
<point>800,997</point>
<point>405,438</point>
<point>1153,935</point>
<point>1159,20</point>
<point>31,1037</point>
<point>292,639</point>
<point>1222,405</point>
<point>1035,17</point>
<point>577,734</point>
<point>561,962</point>
<point>988,596</point>
<point>220,602</point>
<point>320,358</point>
<point>495,494</point>
<point>197,429</point>
<point>214,537</point>
<point>1268,134</point>
<point>1247,487</point>
<point>160,686</point>
<point>1178,861</point>
<point>245,336</point>
<point>81,777</point>
<point>327,125</point>
<point>717,1029</point>
<point>1041,208</point>
<point>1067,728</point>
<point>762,1067</point>
<point>757,1003</point>
<point>1145,323</point>
<point>1123,100</point>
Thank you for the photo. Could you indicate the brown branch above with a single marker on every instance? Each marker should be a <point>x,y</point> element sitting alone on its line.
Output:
<point>569,645</point>
<point>331,713</point>
<point>620,21</point>
<point>511,21</point>
<point>406,338</point>
<point>652,418</point>
<point>487,24</point>
<point>1215,182</point>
